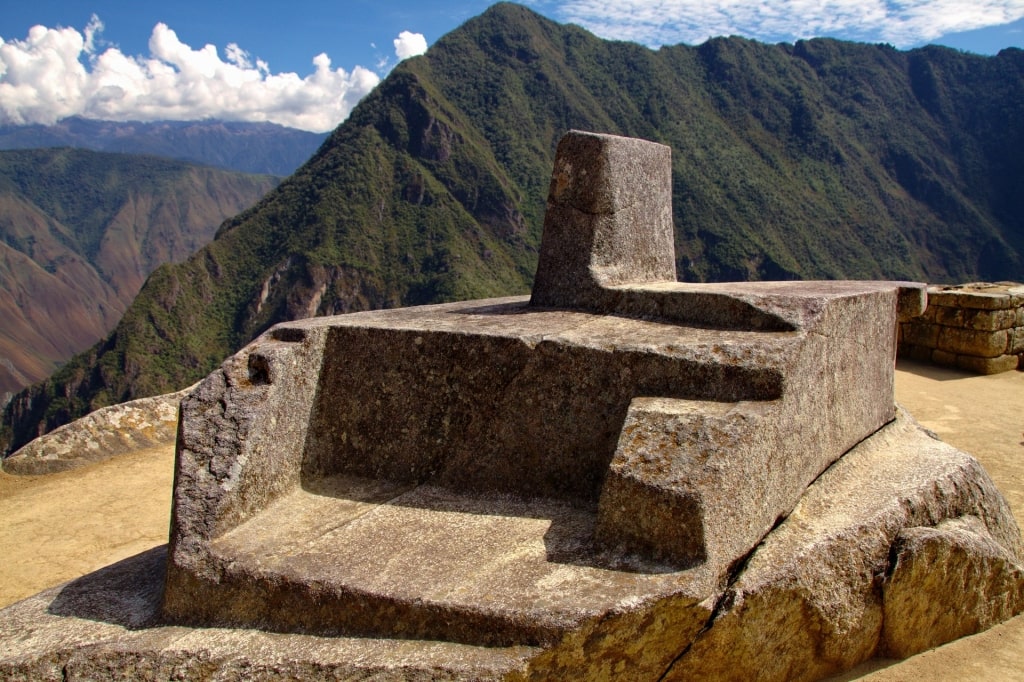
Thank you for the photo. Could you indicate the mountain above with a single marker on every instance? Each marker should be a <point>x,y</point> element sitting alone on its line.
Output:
<point>79,233</point>
<point>822,159</point>
<point>262,148</point>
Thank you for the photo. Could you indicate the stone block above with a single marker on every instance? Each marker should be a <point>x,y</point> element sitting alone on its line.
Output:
<point>1003,363</point>
<point>1018,341</point>
<point>913,302</point>
<point>989,320</point>
<point>971,318</point>
<point>920,334</point>
<point>947,581</point>
<point>944,358</point>
<point>975,300</point>
<point>918,353</point>
<point>608,219</point>
<point>970,342</point>
<point>979,295</point>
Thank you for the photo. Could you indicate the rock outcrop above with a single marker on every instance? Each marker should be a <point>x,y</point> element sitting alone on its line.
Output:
<point>624,478</point>
<point>105,433</point>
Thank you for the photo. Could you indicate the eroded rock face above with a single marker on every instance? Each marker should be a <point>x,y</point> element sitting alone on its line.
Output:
<point>845,577</point>
<point>947,581</point>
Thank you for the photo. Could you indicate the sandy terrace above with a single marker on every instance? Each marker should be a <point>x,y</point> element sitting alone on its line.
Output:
<point>61,526</point>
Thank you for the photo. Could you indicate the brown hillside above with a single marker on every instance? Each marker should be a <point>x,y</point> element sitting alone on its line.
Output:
<point>79,234</point>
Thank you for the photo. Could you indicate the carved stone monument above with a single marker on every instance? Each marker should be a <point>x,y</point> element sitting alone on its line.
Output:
<point>621,477</point>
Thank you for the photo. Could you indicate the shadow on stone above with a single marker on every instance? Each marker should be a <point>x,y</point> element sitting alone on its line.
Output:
<point>126,593</point>
<point>569,538</point>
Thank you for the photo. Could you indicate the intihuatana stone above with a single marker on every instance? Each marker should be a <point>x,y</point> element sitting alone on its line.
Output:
<point>623,477</point>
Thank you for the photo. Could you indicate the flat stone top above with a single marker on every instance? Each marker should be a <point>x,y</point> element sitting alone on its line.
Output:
<point>514,318</point>
<point>979,295</point>
<point>798,303</point>
<point>525,567</point>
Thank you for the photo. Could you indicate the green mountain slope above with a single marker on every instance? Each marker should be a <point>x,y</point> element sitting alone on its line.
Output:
<point>816,160</point>
<point>79,233</point>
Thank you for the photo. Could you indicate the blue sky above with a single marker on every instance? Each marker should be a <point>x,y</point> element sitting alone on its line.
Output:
<point>305,63</point>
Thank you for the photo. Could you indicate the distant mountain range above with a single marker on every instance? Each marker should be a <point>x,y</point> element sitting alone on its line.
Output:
<point>79,233</point>
<point>264,148</point>
<point>822,159</point>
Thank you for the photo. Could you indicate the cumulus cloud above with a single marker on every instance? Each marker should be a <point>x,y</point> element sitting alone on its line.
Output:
<point>409,44</point>
<point>901,22</point>
<point>56,72</point>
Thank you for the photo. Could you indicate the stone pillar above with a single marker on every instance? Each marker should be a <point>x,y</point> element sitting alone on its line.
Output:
<point>608,220</point>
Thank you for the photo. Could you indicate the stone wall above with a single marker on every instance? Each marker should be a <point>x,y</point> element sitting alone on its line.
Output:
<point>977,327</point>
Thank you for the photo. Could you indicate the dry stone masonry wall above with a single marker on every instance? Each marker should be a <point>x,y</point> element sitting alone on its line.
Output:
<point>977,327</point>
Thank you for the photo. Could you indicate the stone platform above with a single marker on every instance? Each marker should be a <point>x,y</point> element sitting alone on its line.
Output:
<point>620,477</point>
<point>664,444</point>
<point>824,591</point>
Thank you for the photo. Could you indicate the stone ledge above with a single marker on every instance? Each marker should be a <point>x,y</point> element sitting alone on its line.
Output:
<point>105,433</point>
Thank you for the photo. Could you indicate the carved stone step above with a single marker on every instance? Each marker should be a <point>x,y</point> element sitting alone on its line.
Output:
<point>367,557</point>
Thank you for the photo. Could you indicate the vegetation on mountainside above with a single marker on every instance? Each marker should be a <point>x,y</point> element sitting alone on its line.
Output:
<point>79,233</point>
<point>822,159</point>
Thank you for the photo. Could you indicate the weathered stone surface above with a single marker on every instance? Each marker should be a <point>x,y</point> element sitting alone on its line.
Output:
<point>814,598</point>
<point>979,295</point>
<point>105,433</point>
<point>809,603</point>
<point>104,626</point>
<point>919,353</point>
<point>971,318</point>
<point>971,342</point>
<point>947,581</point>
<point>922,335</point>
<point>1003,363</point>
<point>608,219</point>
<point>499,397</point>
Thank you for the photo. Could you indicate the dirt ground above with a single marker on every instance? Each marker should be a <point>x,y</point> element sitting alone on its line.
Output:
<point>58,527</point>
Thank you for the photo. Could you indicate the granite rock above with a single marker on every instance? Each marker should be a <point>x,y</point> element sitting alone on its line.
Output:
<point>105,433</point>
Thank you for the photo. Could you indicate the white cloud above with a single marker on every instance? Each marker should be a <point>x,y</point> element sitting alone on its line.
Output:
<point>56,73</point>
<point>409,44</point>
<point>901,22</point>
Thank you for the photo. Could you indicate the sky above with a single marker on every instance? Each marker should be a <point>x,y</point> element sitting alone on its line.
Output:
<point>306,63</point>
